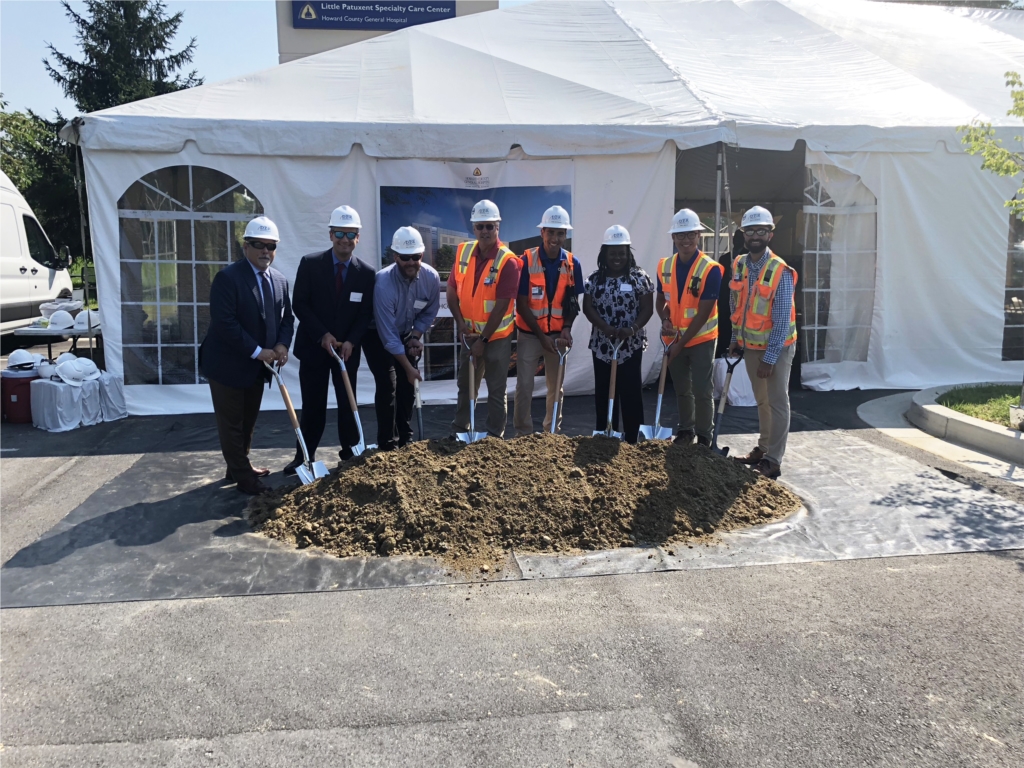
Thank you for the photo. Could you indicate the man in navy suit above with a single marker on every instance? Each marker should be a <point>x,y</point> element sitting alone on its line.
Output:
<point>333,300</point>
<point>250,324</point>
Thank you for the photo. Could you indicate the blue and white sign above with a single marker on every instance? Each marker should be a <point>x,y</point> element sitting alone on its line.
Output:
<point>368,15</point>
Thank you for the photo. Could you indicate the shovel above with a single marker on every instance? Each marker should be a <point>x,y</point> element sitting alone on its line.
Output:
<point>472,436</point>
<point>658,432</point>
<point>308,471</point>
<point>558,382</point>
<point>419,410</point>
<point>721,404</point>
<point>361,446</point>
<point>608,431</point>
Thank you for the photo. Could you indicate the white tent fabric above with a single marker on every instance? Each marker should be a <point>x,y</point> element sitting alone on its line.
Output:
<point>876,90</point>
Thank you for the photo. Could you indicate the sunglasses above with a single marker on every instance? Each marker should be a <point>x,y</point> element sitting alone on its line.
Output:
<point>409,256</point>
<point>343,235</point>
<point>484,227</point>
<point>759,232</point>
<point>262,246</point>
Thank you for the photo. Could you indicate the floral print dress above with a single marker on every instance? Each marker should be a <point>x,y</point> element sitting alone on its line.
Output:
<point>617,301</point>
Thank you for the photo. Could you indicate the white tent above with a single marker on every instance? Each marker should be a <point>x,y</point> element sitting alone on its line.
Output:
<point>903,239</point>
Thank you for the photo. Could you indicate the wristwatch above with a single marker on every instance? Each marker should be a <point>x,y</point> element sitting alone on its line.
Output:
<point>484,339</point>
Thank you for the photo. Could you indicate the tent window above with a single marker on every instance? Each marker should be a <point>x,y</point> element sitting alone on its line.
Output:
<point>837,287</point>
<point>179,226</point>
<point>1013,306</point>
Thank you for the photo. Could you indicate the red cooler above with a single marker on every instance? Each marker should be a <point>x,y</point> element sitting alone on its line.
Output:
<point>17,396</point>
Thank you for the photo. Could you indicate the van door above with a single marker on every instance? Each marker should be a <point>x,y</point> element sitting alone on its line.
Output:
<point>43,262</point>
<point>13,267</point>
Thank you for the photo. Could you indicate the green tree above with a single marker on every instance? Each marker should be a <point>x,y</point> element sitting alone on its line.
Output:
<point>126,54</point>
<point>980,139</point>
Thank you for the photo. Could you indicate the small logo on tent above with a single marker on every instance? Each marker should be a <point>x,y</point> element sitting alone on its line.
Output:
<point>476,172</point>
<point>308,13</point>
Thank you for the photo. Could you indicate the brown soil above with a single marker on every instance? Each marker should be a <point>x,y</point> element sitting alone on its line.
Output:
<point>471,505</point>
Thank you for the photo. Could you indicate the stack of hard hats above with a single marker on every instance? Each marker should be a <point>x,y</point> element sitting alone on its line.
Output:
<point>71,373</point>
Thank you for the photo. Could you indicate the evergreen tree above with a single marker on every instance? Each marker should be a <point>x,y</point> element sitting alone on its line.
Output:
<point>127,55</point>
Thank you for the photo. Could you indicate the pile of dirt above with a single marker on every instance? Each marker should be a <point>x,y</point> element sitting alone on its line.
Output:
<point>471,505</point>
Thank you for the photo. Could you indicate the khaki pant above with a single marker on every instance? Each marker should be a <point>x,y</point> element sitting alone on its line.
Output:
<point>691,378</point>
<point>772,395</point>
<point>528,353</point>
<point>493,367</point>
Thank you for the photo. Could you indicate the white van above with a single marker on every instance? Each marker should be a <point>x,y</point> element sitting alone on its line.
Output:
<point>31,271</point>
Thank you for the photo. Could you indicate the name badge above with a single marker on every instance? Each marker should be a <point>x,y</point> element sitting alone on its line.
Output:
<point>625,287</point>
<point>668,297</point>
<point>538,292</point>
<point>419,304</point>
<point>489,281</point>
<point>355,296</point>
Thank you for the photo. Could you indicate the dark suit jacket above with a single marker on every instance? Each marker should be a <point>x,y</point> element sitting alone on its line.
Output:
<point>320,312</point>
<point>237,326</point>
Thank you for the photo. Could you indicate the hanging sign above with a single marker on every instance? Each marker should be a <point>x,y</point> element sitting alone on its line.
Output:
<point>368,15</point>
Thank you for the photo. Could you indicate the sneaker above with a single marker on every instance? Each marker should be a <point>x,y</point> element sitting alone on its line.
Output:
<point>769,469</point>
<point>684,437</point>
<point>751,458</point>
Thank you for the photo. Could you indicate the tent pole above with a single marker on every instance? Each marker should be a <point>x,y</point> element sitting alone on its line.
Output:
<point>728,198</point>
<point>718,204</point>
<point>76,125</point>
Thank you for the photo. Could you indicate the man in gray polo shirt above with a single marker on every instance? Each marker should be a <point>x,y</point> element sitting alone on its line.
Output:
<point>406,297</point>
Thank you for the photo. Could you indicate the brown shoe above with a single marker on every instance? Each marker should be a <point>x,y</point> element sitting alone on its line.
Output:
<point>253,487</point>
<point>767,468</point>
<point>258,471</point>
<point>751,458</point>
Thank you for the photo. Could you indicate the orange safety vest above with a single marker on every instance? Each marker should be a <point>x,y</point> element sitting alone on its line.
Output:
<point>547,309</point>
<point>683,309</point>
<point>478,303</point>
<point>752,316</point>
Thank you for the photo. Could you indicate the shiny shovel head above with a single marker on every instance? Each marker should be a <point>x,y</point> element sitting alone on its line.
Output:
<point>607,433</point>
<point>470,437</point>
<point>650,432</point>
<point>357,450</point>
<point>310,473</point>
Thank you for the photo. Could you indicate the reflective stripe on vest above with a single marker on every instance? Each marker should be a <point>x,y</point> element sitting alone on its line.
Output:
<point>683,309</point>
<point>547,310</point>
<point>752,316</point>
<point>477,302</point>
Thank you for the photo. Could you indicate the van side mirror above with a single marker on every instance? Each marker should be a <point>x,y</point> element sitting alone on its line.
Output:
<point>65,257</point>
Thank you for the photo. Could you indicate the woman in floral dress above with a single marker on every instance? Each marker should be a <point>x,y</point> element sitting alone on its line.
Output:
<point>618,300</point>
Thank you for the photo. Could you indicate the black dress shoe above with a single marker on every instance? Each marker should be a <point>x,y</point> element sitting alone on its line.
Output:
<point>253,487</point>
<point>258,471</point>
<point>291,466</point>
<point>345,454</point>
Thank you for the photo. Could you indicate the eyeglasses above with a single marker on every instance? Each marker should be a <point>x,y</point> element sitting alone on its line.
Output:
<point>262,246</point>
<point>759,232</point>
<point>687,235</point>
<point>485,226</point>
<point>409,256</point>
<point>343,235</point>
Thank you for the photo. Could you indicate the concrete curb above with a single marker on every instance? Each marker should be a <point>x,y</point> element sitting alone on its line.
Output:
<point>1001,442</point>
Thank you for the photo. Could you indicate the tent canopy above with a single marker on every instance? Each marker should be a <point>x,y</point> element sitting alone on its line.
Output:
<point>624,76</point>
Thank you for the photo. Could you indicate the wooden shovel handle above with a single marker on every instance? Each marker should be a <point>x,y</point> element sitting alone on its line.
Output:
<point>611,379</point>
<point>288,404</point>
<point>348,390</point>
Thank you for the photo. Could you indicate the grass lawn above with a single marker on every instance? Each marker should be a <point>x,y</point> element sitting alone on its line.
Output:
<point>991,402</point>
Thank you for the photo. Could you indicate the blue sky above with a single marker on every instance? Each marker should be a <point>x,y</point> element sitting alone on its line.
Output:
<point>233,38</point>
<point>521,208</point>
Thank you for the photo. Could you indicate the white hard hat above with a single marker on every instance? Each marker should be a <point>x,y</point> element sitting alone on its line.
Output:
<point>64,357</point>
<point>757,217</point>
<point>616,235</point>
<point>61,321</point>
<point>87,318</point>
<point>345,217</point>
<point>407,240</point>
<point>21,360</point>
<point>38,359</point>
<point>555,217</point>
<point>262,228</point>
<point>70,373</point>
<point>88,368</point>
<point>46,369</point>
<point>485,210</point>
<point>686,220</point>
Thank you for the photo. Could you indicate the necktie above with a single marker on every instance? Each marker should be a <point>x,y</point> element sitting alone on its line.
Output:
<point>269,315</point>
<point>339,280</point>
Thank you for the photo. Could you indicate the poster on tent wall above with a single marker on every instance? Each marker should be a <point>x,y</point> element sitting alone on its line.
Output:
<point>437,197</point>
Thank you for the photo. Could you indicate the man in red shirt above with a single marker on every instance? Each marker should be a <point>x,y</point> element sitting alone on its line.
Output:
<point>481,294</point>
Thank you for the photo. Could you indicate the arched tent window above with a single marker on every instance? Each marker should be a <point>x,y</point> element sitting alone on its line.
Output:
<point>179,226</point>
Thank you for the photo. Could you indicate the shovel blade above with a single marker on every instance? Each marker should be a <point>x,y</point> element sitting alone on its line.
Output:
<point>320,470</point>
<point>651,432</point>
<point>304,474</point>
<point>607,433</point>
